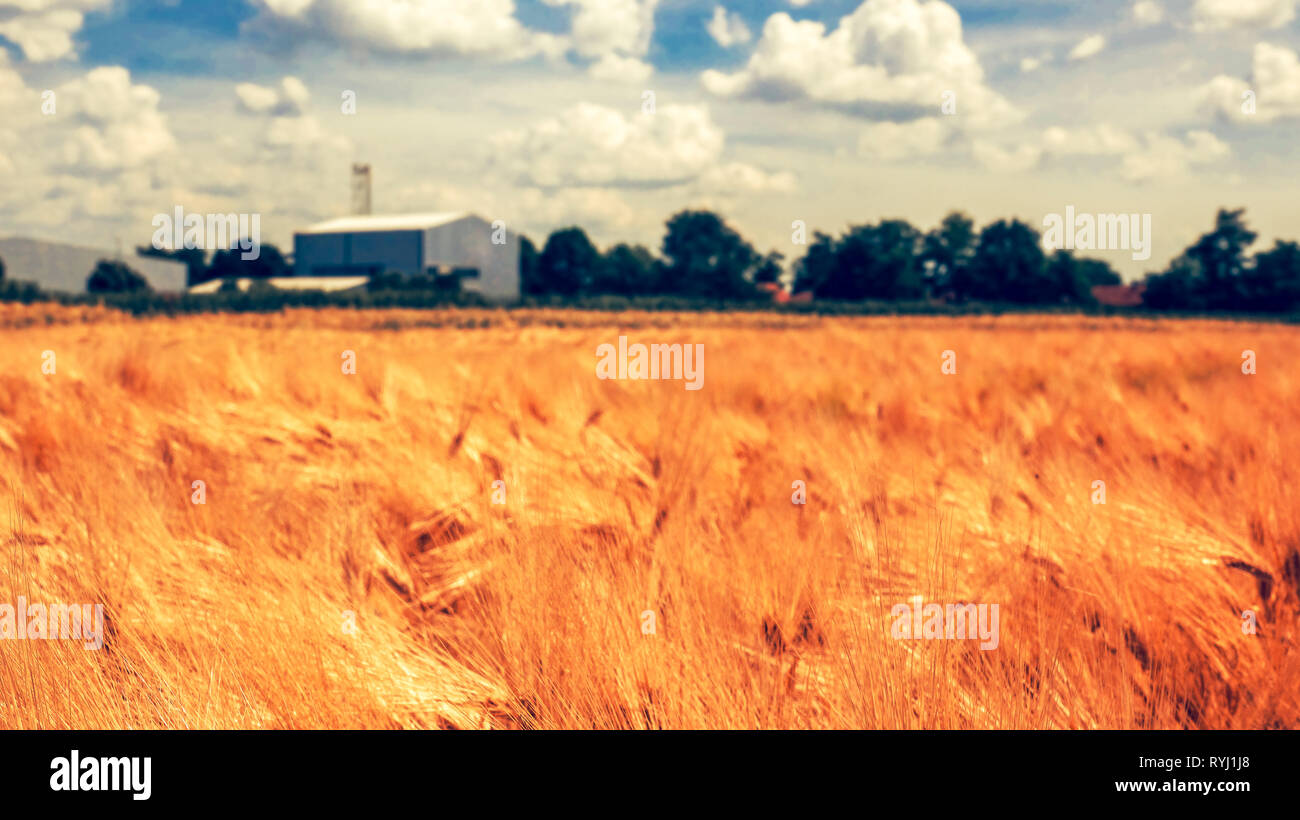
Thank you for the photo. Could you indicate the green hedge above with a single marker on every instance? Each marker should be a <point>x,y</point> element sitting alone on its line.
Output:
<point>270,300</point>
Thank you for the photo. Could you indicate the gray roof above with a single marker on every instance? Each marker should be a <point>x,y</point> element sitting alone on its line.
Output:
<point>57,266</point>
<point>396,222</point>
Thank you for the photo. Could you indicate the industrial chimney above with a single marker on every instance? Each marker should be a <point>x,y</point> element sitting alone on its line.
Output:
<point>361,189</point>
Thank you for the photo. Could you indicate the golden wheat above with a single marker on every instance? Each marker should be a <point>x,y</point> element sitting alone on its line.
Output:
<point>368,498</point>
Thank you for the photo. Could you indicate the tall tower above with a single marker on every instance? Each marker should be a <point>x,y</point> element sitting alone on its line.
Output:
<point>360,189</point>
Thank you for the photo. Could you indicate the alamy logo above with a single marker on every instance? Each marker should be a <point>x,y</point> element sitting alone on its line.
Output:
<point>213,232</point>
<point>946,622</point>
<point>34,622</point>
<point>654,362</point>
<point>1101,232</point>
<point>75,773</point>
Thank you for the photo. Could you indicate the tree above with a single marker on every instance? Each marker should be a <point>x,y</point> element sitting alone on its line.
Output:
<point>1008,266</point>
<point>1221,255</point>
<point>529,281</point>
<point>815,270</point>
<point>115,277</point>
<point>628,270</point>
<point>1075,278</point>
<point>231,264</point>
<point>2,270</point>
<point>1273,282</point>
<point>1214,273</point>
<point>1098,272</point>
<point>1179,287</point>
<point>880,261</point>
<point>770,268</point>
<point>872,261</point>
<point>568,263</point>
<point>1065,271</point>
<point>704,257</point>
<point>948,249</point>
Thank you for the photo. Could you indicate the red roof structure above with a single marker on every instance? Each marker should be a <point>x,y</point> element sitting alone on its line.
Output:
<point>1119,295</point>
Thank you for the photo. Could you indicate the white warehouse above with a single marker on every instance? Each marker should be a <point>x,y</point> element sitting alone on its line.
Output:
<point>59,266</point>
<point>458,244</point>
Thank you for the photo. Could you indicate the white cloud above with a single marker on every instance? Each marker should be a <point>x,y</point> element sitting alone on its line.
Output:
<point>1170,158</point>
<point>1100,140</point>
<point>585,156</point>
<point>1216,15</point>
<point>592,145</point>
<point>1088,47</point>
<point>610,26</point>
<point>1274,80</point>
<point>727,30</point>
<point>256,99</point>
<point>478,28</point>
<point>895,141</point>
<point>290,100</point>
<point>121,126</point>
<point>13,91</point>
<point>300,137</point>
<point>1147,12</point>
<point>1151,156</point>
<point>1029,64</point>
<point>595,209</point>
<point>290,133</point>
<point>893,53</point>
<point>1006,160</point>
<point>735,178</point>
<point>617,69</point>
<point>528,210</point>
<point>43,29</point>
<point>289,8</point>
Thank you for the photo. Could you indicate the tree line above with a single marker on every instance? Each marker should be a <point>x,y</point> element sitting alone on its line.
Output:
<point>893,261</point>
<point>701,257</point>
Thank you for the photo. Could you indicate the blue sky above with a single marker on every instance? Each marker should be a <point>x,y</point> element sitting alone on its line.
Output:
<point>128,33</point>
<point>829,112</point>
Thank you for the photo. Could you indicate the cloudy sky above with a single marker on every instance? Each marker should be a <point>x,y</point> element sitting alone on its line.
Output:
<point>834,112</point>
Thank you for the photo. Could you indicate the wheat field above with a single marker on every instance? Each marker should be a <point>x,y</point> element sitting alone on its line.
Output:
<point>350,565</point>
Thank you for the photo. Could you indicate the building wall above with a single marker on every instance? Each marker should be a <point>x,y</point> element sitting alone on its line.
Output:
<point>359,253</point>
<point>467,243</point>
<point>464,243</point>
<point>54,266</point>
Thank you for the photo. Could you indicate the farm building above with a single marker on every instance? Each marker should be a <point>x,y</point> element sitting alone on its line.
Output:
<point>449,244</point>
<point>56,266</point>
<point>1119,295</point>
